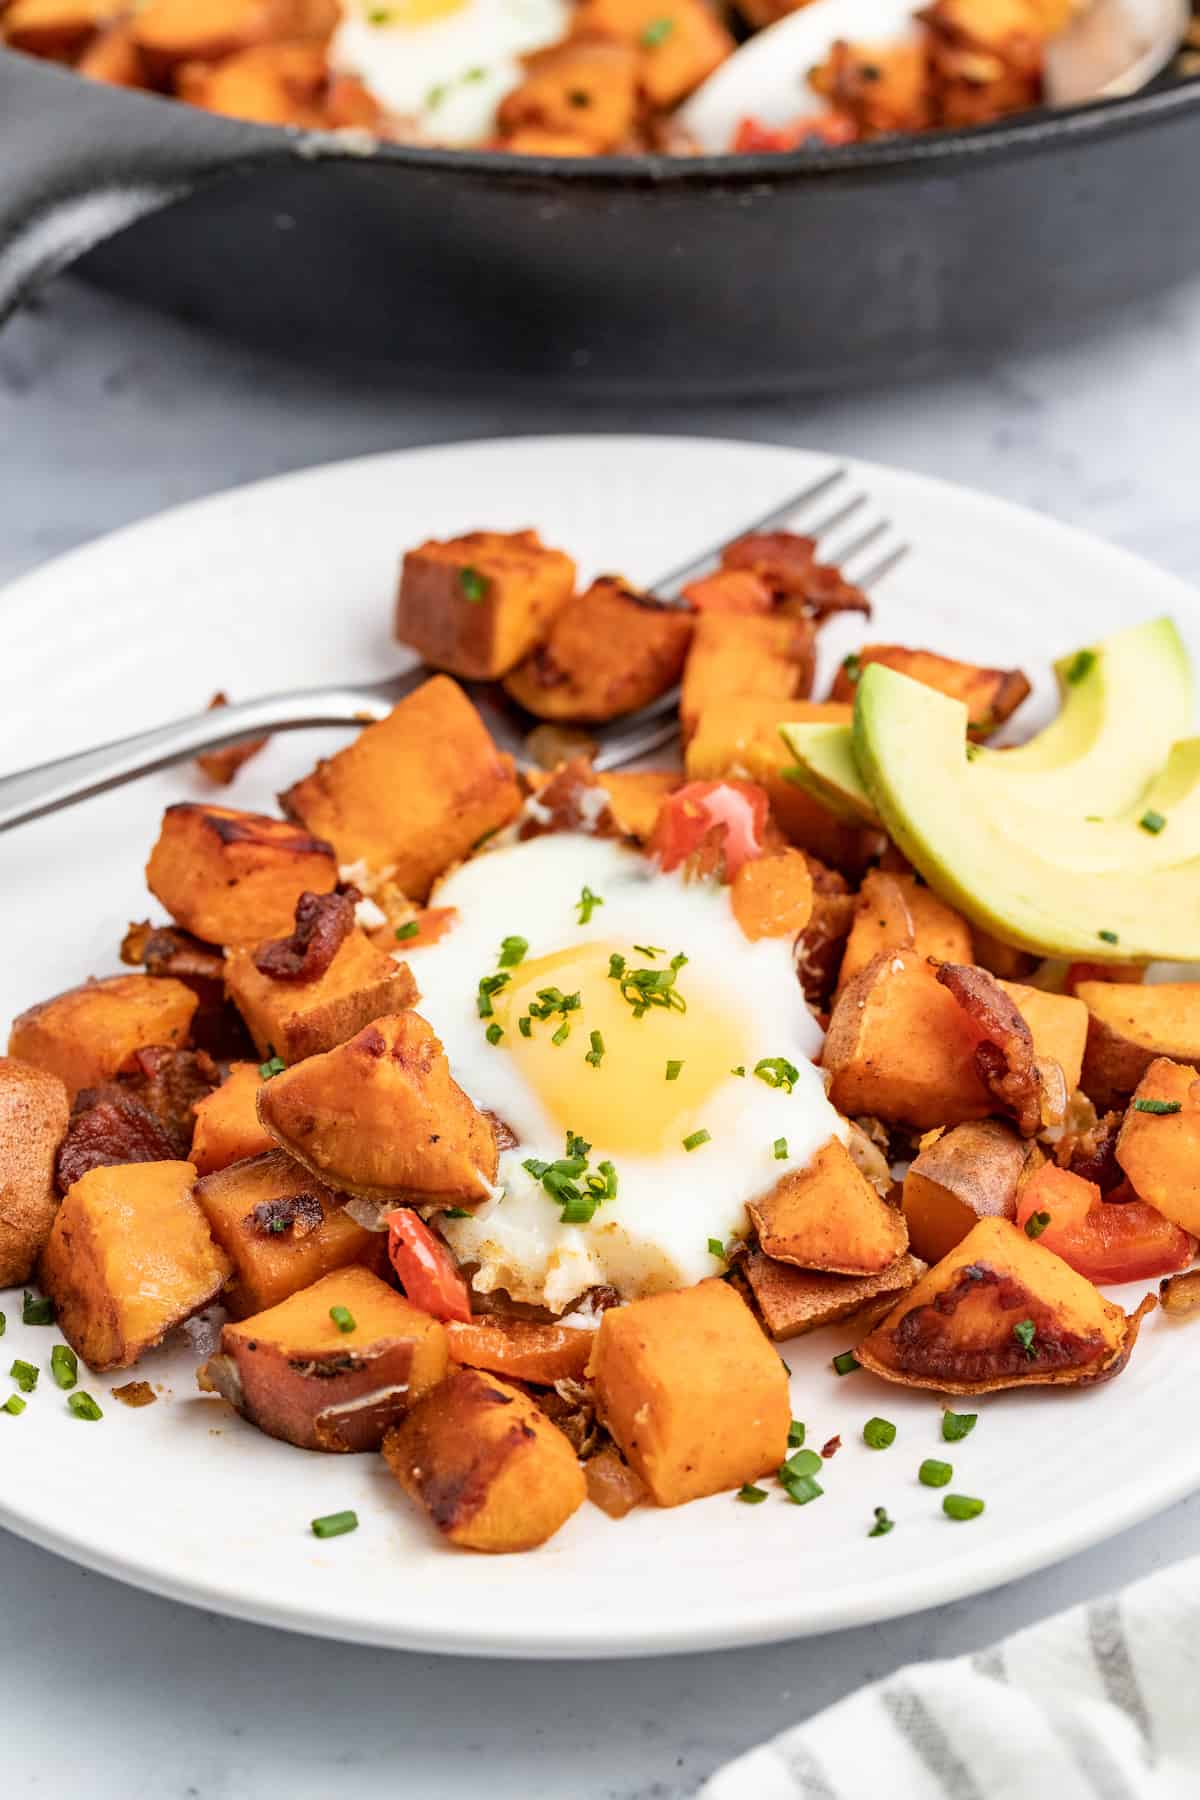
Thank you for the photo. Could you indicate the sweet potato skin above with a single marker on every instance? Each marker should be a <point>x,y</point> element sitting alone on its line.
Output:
<point>84,1035</point>
<point>413,793</point>
<point>793,1301</point>
<point>990,695</point>
<point>1160,1153</point>
<point>129,1256</point>
<point>767,658</point>
<point>34,1110</point>
<point>299,1377</point>
<point>897,912</point>
<point>521,1349</point>
<point>268,1265</point>
<point>233,877</point>
<point>828,1217</point>
<point>227,1128</point>
<point>1128,1027</point>
<point>380,1116</point>
<point>477,604</point>
<point>610,651</point>
<point>486,1464</point>
<point>295,1019</point>
<point>972,1172</point>
<point>692,1392</point>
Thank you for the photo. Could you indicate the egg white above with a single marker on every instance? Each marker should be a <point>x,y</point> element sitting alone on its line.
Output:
<point>654,1235</point>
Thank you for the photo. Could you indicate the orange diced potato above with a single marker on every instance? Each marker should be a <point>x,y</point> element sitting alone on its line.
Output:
<point>635,797</point>
<point>295,1019</point>
<point>227,1125</point>
<point>970,1173</point>
<point>522,1349</point>
<point>175,31</point>
<point>415,792</point>
<point>829,1217</point>
<point>679,42</point>
<point>692,1392</point>
<point>486,1464</point>
<point>772,895</point>
<point>738,591</point>
<point>298,1375</point>
<point>532,140</point>
<point>1129,1026</point>
<point>55,27</point>
<point>610,651</point>
<point>990,695</point>
<point>272,84</point>
<point>233,877</point>
<point>129,1257</point>
<point>479,603</point>
<point>34,1110</point>
<point>793,1301</point>
<point>280,1229</point>
<point>381,1116</point>
<point>113,56</point>
<point>898,912</point>
<point>1059,1025</point>
<point>768,658</point>
<point>84,1035</point>
<point>1160,1151</point>
<point>881,88</point>
<point>584,90</point>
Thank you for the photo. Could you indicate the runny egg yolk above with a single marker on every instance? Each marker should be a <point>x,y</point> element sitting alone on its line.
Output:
<point>624,1101</point>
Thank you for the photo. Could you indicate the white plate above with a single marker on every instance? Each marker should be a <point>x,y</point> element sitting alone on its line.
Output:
<point>288,582</point>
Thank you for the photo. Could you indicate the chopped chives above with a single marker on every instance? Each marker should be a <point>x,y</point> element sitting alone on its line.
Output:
<point>883,1524</point>
<point>1025,1332</point>
<point>957,1425</point>
<point>410,929</point>
<point>802,1490</point>
<point>512,951</point>
<point>457,1212</point>
<point>563,1033</point>
<point>933,1473</point>
<point>525,1025</point>
<point>474,586</point>
<point>799,1464</point>
<point>1108,937</point>
<point>961,1506</point>
<point>879,1433</point>
<point>587,904</point>
<point>795,1435</point>
<point>494,1033</point>
<point>14,1405</point>
<point>777,1072</point>
<point>64,1366</point>
<point>1160,1108</point>
<point>650,950</point>
<point>83,1406</point>
<point>489,985</point>
<point>274,1065</point>
<point>596,1054</point>
<point>616,966</point>
<point>751,1495</point>
<point>1081,664</point>
<point>656,32</point>
<point>740,1070</point>
<point>694,1141</point>
<point>1036,1223</point>
<point>335,1524</point>
<point>343,1318</point>
<point>3,1324</point>
<point>716,1248</point>
<point>1152,821</point>
<point>673,1069</point>
<point>780,1150</point>
<point>852,666</point>
<point>25,1375</point>
<point>36,1312</point>
<point>846,1363</point>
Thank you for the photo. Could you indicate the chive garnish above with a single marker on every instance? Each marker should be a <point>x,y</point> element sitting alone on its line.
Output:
<point>489,985</point>
<point>1025,1332</point>
<point>3,1324</point>
<point>696,1138</point>
<point>798,1465</point>
<point>335,1524</point>
<point>740,1070</point>
<point>343,1318</point>
<point>587,904</point>
<point>650,950</point>
<point>64,1366</point>
<point>644,988</point>
<point>568,1181</point>
<point>596,1054</point>
<point>673,1069</point>
<point>1152,821</point>
<point>494,1033</point>
<point>512,951</point>
<point>616,966</point>
<point>933,1473</point>
<point>83,1406</point>
<point>1036,1223</point>
<point>795,1434</point>
<point>846,1363</point>
<point>780,1150</point>
<point>36,1312</point>
<point>1160,1108</point>
<point>1108,937</point>
<point>802,1490</point>
<point>656,33</point>
<point>716,1248</point>
<point>879,1433</point>
<point>562,1034</point>
<point>525,1025</point>
<point>1081,664</point>
<point>14,1405</point>
<point>25,1375</point>
<point>957,1425</point>
<point>777,1072</point>
<point>472,583</point>
<point>751,1495</point>
<point>457,1212</point>
<point>882,1524</point>
<point>409,929</point>
<point>961,1506</point>
<point>852,666</point>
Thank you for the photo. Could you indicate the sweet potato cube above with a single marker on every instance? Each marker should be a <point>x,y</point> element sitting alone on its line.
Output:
<point>730,591</point>
<point>1001,1311</point>
<point>521,1349</point>
<point>679,42</point>
<point>56,28</point>
<point>205,31</point>
<point>478,604</point>
<point>490,1469</point>
<point>793,1301</point>
<point>828,1216</point>
<point>113,56</point>
<point>129,1256</point>
<point>635,796</point>
<point>233,877</point>
<point>34,1110</point>
<point>970,1173</point>
<point>84,1035</point>
<point>295,1019</point>
<point>299,1375</point>
<point>1159,1148</point>
<point>990,695</point>
<point>609,651</point>
<point>898,912</point>
<point>740,737</point>
<point>272,84</point>
<point>773,895</point>
<point>584,89</point>
<point>1129,1026</point>
<point>280,1229</point>
<point>227,1125</point>
<point>767,658</point>
<point>692,1392</point>
<point>413,793</point>
<point>381,1116</point>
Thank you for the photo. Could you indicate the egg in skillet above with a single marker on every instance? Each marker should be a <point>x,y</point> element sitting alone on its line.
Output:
<point>620,1024</point>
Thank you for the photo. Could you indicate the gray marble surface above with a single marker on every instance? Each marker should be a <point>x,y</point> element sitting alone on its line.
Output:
<point>108,414</point>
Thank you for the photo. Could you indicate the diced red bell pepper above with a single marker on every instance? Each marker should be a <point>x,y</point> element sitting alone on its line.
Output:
<point>426,1268</point>
<point>753,136</point>
<point>1109,1241</point>
<point>735,811</point>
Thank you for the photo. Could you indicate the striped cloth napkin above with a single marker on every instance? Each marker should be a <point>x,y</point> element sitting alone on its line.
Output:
<point>1099,1703</point>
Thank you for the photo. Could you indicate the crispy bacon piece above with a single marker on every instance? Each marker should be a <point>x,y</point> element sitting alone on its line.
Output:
<point>323,923</point>
<point>1091,1153</point>
<point>818,949</point>
<point>112,1127</point>
<point>222,765</point>
<point>1005,1059</point>
<point>788,564</point>
<point>168,950</point>
<point>297,1214</point>
<point>168,1084</point>
<point>572,800</point>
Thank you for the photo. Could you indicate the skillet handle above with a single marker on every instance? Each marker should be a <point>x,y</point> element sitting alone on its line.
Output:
<point>81,160</point>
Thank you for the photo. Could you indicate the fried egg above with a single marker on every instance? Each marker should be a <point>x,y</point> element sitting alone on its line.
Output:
<point>444,65</point>
<point>633,1023</point>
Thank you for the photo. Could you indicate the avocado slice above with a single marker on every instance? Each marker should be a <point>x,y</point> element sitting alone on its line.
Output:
<point>910,744</point>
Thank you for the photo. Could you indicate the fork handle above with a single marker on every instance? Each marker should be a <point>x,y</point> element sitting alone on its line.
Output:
<point>46,788</point>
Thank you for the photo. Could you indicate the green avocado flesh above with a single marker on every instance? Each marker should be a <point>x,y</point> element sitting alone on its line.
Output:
<point>910,746</point>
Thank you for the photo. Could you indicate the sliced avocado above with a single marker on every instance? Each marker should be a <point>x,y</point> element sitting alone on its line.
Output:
<point>910,744</point>
<point>826,769</point>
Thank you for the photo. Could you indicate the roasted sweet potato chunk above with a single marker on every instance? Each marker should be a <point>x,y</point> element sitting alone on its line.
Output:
<point>414,793</point>
<point>113,56</point>
<point>609,651</point>
<point>1159,1144</point>
<point>635,796</point>
<point>477,604</point>
<point>86,1034</point>
<point>1000,1311</point>
<point>829,1217</point>
<point>281,83</point>
<point>587,90</point>
<point>692,1392</point>
<point>129,1256</point>
<point>227,1124</point>
<point>898,912</point>
<point>1129,1026</point>
<point>295,1019</point>
<point>678,42</point>
<point>56,28</point>
<point>882,88</point>
<point>33,1118</point>
<point>765,658</point>
<point>381,1116</point>
<point>486,1464</point>
<point>522,1349</point>
<point>738,591</point>
<point>772,895</point>
<point>299,1374</point>
<point>970,1173</point>
<point>234,877</point>
<point>175,31</point>
<point>990,695</point>
<point>280,1229</point>
<point>792,1301</point>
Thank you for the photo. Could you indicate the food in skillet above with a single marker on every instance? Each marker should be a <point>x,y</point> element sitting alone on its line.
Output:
<point>510,1119</point>
<point>549,77</point>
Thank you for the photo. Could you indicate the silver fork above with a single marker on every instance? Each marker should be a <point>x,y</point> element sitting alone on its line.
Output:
<point>50,786</point>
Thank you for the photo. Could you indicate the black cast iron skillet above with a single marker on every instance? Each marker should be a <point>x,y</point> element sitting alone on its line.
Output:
<point>750,274</point>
